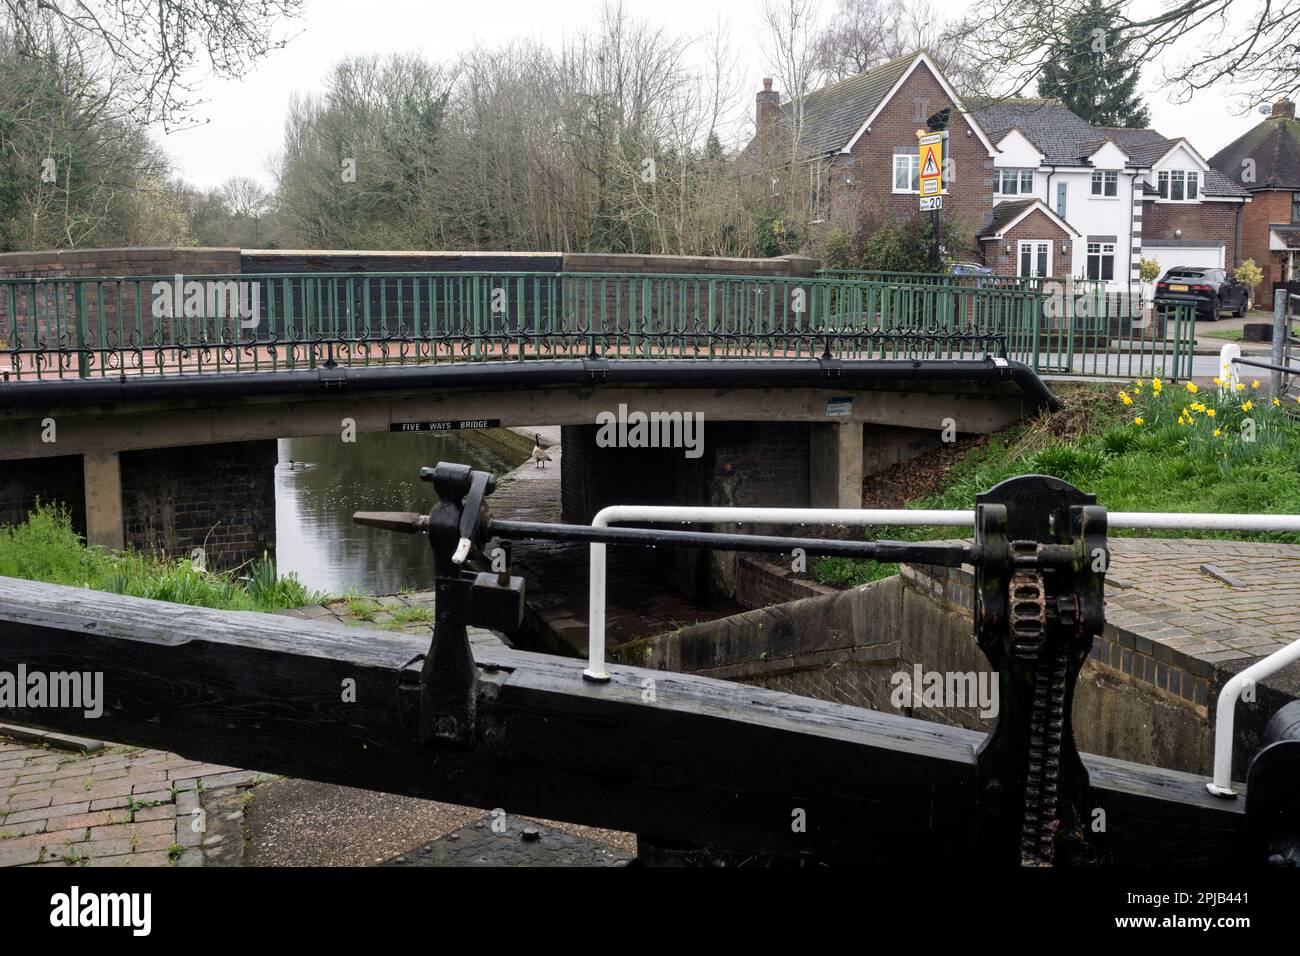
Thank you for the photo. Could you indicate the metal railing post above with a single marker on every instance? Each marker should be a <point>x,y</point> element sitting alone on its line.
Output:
<point>1280,333</point>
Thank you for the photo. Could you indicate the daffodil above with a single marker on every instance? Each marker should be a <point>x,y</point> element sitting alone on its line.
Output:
<point>1123,397</point>
<point>1210,412</point>
<point>1191,387</point>
<point>1156,386</point>
<point>1255,384</point>
<point>1241,386</point>
<point>1218,432</point>
<point>1218,381</point>
<point>1277,403</point>
<point>1139,421</point>
<point>1247,406</point>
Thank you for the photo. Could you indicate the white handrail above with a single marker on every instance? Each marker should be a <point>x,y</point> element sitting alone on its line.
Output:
<point>1226,710</point>
<point>864,517</point>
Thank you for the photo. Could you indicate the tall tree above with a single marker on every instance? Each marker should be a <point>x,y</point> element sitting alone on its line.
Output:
<point>1092,71</point>
<point>1246,47</point>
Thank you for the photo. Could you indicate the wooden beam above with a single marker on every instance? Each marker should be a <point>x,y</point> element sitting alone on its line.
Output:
<point>699,761</point>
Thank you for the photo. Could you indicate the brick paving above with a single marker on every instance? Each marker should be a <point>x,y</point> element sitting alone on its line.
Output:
<point>116,806</point>
<point>1156,586</point>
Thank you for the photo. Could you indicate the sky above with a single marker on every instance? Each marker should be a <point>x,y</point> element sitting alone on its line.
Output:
<point>240,125</point>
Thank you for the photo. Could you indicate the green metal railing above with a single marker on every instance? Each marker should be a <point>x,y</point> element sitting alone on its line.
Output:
<point>119,326</point>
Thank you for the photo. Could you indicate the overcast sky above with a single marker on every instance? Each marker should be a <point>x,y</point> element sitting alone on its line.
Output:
<point>242,121</point>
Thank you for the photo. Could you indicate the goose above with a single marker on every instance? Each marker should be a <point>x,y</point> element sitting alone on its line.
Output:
<point>540,458</point>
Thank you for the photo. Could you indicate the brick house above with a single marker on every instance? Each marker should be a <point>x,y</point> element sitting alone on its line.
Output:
<point>1039,190</point>
<point>1266,163</point>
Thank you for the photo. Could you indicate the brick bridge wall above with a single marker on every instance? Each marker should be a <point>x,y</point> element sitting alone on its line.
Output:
<point>220,498</point>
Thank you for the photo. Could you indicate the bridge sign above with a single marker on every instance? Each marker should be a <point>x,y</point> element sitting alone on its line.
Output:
<point>444,426</point>
<point>931,148</point>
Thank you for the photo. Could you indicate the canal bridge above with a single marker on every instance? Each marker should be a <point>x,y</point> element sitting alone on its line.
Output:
<point>129,396</point>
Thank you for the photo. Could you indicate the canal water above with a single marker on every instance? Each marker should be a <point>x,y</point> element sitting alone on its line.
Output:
<point>320,482</point>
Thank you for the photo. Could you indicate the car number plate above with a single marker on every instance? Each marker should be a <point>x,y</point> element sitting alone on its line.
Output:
<point>1178,288</point>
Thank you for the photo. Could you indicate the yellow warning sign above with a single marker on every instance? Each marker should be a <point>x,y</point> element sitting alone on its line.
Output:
<point>931,149</point>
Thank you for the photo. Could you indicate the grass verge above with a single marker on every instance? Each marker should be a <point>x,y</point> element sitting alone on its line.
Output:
<point>46,548</point>
<point>1147,447</point>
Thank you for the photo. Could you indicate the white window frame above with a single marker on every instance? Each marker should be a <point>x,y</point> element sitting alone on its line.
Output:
<point>1037,248</point>
<point>1101,250</point>
<point>915,164</point>
<point>1103,178</point>
<point>1022,181</point>
<point>1180,181</point>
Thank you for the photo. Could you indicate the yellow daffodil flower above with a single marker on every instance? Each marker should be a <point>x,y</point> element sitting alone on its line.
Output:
<point>1191,387</point>
<point>1138,421</point>
<point>1210,412</point>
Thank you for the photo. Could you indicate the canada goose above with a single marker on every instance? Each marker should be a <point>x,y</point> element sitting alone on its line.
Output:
<point>540,458</point>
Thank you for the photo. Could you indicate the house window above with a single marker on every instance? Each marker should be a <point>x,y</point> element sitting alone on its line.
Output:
<point>1035,258</point>
<point>1295,207</point>
<point>1101,260</point>
<point>1061,191</point>
<point>1014,182</point>
<point>1105,183</point>
<point>1179,185</point>
<point>907,173</point>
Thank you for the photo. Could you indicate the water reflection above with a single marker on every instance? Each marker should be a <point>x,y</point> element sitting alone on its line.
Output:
<point>319,482</point>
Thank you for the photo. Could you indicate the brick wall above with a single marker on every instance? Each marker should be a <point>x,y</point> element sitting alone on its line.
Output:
<point>59,479</point>
<point>218,497</point>
<point>134,261</point>
<point>1266,207</point>
<point>1216,221</point>
<point>1034,226</point>
<point>763,581</point>
<point>871,166</point>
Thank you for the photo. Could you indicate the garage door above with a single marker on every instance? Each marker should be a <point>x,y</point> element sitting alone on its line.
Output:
<point>1173,257</point>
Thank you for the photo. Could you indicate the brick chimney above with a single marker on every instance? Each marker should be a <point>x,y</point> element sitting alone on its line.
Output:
<point>767,114</point>
<point>1282,108</point>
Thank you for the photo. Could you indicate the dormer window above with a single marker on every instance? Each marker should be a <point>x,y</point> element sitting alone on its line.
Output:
<point>1179,185</point>
<point>1014,182</point>
<point>1105,182</point>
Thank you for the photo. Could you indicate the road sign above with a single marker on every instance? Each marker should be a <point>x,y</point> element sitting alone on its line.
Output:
<point>929,203</point>
<point>931,150</point>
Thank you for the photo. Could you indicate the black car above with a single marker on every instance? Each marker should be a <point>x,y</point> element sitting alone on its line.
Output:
<point>1212,291</point>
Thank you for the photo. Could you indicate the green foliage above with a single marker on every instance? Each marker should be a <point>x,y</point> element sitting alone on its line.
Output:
<point>1158,465</point>
<point>891,243</point>
<point>1148,269</point>
<point>1250,275</point>
<point>1092,72</point>
<point>46,548</point>
<point>774,236</point>
<point>837,251</point>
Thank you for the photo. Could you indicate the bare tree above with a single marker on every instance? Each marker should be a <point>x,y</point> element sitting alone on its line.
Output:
<point>1247,46</point>
<point>155,49</point>
<point>791,51</point>
<point>867,33</point>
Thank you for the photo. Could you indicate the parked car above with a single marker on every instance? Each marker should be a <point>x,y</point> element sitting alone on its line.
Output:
<point>1211,291</point>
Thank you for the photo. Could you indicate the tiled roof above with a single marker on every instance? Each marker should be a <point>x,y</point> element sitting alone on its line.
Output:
<point>833,114</point>
<point>1006,212</point>
<point>1066,139</point>
<point>1057,133</point>
<point>1274,145</point>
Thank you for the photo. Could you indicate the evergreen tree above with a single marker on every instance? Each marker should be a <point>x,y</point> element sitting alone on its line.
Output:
<point>1091,72</point>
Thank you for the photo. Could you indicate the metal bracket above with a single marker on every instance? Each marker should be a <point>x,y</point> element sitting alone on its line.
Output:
<point>597,369</point>
<point>831,368</point>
